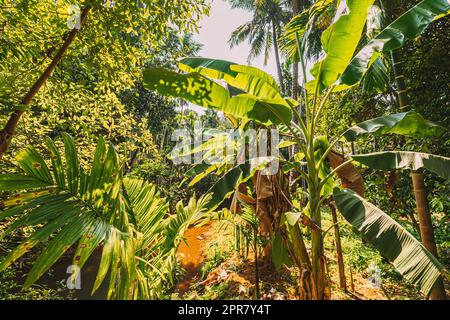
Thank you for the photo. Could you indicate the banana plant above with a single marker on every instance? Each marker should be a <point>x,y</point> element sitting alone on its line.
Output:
<point>69,207</point>
<point>252,95</point>
<point>328,80</point>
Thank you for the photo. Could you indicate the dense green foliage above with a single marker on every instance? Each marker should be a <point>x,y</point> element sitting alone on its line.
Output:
<point>91,177</point>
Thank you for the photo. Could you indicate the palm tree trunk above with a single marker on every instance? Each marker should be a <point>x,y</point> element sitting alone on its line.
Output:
<point>9,130</point>
<point>277,55</point>
<point>423,211</point>
<point>426,229</point>
<point>295,11</point>
<point>294,94</point>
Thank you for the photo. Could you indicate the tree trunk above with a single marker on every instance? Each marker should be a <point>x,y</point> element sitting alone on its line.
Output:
<point>9,130</point>
<point>255,235</point>
<point>294,95</point>
<point>277,55</point>
<point>399,81</point>
<point>340,257</point>
<point>295,11</point>
<point>426,229</point>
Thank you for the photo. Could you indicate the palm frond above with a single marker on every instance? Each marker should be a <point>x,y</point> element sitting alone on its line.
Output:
<point>100,208</point>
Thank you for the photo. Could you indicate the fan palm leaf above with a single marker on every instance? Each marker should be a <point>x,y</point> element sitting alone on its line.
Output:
<point>125,217</point>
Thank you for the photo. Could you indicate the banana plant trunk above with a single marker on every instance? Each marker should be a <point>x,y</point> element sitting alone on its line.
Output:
<point>317,254</point>
<point>423,211</point>
<point>299,254</point>
<point>10,128</point>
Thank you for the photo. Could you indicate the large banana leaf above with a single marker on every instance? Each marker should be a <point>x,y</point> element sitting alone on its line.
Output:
<point>407,123</point>
<point>376,79</point>
<point>247,78</point>
<point>395,160</point>
<point>408,26</point>
<point>395,243</point>
<point>192,87</point>
<point>339,41</point>
<point>202,91</point>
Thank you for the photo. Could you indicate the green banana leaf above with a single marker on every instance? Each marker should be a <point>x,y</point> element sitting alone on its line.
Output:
<point>192,87</point>
<point>339,41</point>
<point>228,183</point>
<point>395,160</point>
<point>200,90</point>
<point>407,123</point>
<point>376,79</point>
<point>395,243</point>
<point>408,26</point>
<point>246,78</point>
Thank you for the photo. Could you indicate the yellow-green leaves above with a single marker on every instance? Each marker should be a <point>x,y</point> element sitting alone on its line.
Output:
<point>249,79</point>
<point>14,182</point>
<point>192,87</point>
<point>226,185</point>
<point>339,42</point>
<point>251,94</point>
<point>34,165</point>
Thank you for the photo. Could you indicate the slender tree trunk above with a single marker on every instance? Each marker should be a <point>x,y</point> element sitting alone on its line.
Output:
<point>399,81</point>
<point>340,257</point>
<point>295,11</point>
<point>277,55</point>
<point>317,249</point>
<point>294,95</point>
<point>9,130</point>
<point>352,283</point>
<point>426,229</point>
<point>255,235</point>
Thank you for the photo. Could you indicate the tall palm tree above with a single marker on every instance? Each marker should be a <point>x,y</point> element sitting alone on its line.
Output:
<point>314,45</point>
<point>262,31</point>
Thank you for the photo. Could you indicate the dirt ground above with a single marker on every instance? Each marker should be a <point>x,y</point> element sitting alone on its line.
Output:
<point>238,273</point>
<point>191,255</point>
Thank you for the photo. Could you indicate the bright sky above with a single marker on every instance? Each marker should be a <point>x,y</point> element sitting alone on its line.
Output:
<point>215,30</point>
